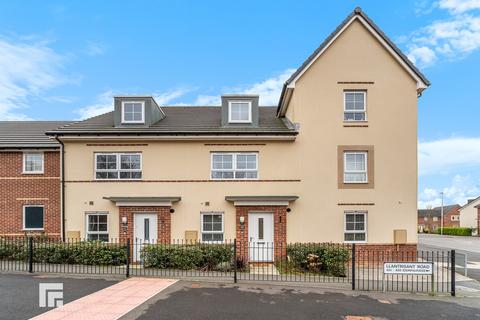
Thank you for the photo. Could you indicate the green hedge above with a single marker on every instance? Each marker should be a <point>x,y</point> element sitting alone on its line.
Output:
<point>455,231</point>
<point>88,252</point>
<point>188,257</point>
<point>326,259</point>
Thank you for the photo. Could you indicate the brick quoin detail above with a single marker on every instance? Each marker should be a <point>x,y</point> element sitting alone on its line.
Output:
<point>18,189</point>
<point>164,222</point>
<point>279,229</point>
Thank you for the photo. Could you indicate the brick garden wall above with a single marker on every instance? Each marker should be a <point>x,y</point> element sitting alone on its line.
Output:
<point>18,189</point>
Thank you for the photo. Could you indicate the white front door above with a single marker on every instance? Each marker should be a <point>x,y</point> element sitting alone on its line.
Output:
<point>260,236</point>
<point>145,232</point>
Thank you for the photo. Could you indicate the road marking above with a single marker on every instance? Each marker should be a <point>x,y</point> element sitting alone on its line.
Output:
<point>357,318</point>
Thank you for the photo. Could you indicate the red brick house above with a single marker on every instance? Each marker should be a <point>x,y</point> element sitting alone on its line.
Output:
<point>30,201</point>
<point>430,219</point>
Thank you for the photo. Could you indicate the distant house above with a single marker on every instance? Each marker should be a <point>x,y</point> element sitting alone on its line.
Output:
<point>469,214</point>
<point>430,219</point>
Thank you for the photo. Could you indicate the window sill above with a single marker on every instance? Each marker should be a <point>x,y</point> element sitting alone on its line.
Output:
<point>24,229</point>
<point>33,172</point>
<point>352,124</point>
<point>355,183</point>
<point>355,241</point>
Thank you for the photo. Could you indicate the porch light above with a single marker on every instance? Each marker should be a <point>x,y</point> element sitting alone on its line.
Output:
<point>242,220</point>
<point>124,221</point>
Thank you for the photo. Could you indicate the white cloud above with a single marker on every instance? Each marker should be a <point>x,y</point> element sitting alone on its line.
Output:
<point>207,100</point>
<point>28,70</point>
<point>269,89</point>
<point>447,155</point>
<point>103,104</point>
<point>168,96</point>
<point>460,190</point>
<point>459,6</point>
<point>453,37</point>
<point>95,49</point>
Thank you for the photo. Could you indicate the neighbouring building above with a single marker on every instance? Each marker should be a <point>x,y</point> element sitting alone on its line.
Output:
<point>30,198</point>
<point>469,214</point>
<point>335,160</point>
<point>429,220</point>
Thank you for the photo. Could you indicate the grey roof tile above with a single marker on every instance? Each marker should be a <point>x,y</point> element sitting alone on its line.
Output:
<point>27,134</point>
<point>182,120</point>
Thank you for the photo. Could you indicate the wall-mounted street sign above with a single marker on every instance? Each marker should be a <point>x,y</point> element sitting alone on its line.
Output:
<point>421,268</point>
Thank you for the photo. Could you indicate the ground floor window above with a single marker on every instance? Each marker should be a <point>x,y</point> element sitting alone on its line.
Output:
<point>355,226</point>
<point>97,226</point>
<point>212,226</point>
<point>33,217</point>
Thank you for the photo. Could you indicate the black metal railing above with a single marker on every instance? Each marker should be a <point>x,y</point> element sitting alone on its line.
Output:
<point>356,267</point>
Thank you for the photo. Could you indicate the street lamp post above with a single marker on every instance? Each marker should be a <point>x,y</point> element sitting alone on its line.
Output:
<point>441,214</point>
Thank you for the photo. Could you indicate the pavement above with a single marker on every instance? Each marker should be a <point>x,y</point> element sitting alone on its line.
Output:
<point>196,300</point>
<point>466,245</point>
<point>20,293</point>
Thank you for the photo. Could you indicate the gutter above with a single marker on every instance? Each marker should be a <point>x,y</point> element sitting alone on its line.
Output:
<point>62,187</point>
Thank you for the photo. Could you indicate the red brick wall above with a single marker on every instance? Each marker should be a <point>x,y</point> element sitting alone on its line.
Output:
<point>164,222</point>
<point>18,189</point>
<point>279,229</point>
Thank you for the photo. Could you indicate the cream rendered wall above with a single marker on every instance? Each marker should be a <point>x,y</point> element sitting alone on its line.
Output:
<point>468,215</point>
<point>312,158</point>
<point>392,130</point>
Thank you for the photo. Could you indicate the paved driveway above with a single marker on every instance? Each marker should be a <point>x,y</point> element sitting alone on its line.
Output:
<point>19,293</point>
<point>186,300</point>
<point>468,245</point>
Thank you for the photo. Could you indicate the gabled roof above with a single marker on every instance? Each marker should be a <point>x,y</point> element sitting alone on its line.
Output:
<point>469,202</point>
<point>422,81</point>
<point>183,120</point>
<point>437,211</point>
<point>27,134</point>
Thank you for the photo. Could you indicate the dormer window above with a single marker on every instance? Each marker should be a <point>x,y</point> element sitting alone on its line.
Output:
<point>239,111</point>
<point>133,112</point>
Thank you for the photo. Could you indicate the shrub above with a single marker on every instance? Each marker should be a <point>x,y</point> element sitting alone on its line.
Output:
<point>88,252</point>
<point>455,231</point>
<point>327,259</point>
<point>187,257</point>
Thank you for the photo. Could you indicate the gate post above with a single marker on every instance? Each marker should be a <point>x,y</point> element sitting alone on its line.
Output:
<point>127,271</point>
<point>235,261</point>
<point>353,266</point>
<point>453,272</point>
<point>30,254</point>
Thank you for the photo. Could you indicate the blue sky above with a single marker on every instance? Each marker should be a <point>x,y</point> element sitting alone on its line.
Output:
<point>65,60</point>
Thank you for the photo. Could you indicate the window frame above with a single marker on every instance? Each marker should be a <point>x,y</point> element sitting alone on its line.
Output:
<point>118,156</point>
<point>133,121</point>
<point>207,213</point>
<point>365,223</point>
<point>355,111</point>
<point>345,172</point>
<point>234,165</point>
<point>230,120</point>
<point>24,214</point>
<point>24,171</point>
<point>96,213</point>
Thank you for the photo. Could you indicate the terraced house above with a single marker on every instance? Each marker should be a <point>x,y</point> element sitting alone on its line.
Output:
<point>335,160</point>
<point>30,198</point>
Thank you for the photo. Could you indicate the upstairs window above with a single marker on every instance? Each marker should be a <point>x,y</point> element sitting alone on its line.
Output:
<point>33,162</point>
<point>112,166</point>
<point>355,106</point>
<point>133,112</point>
<point>355,167</point>
<point>240,111</point>
<point>33,217</point>
<point>234,166</point>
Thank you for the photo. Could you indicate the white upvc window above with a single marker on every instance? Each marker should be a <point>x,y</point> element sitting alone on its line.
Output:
<point>118,166</point>
<point>97,226</point>
<point>355,106</point>
<point>212,226</point>
<point>33,216</point>
<point>435,219</point>
<point>240,165</point>
<point>355,229</point>
<point>133,112</point>
<point>240,111</point>
<point>33,162</point>
<point>355,167</point>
